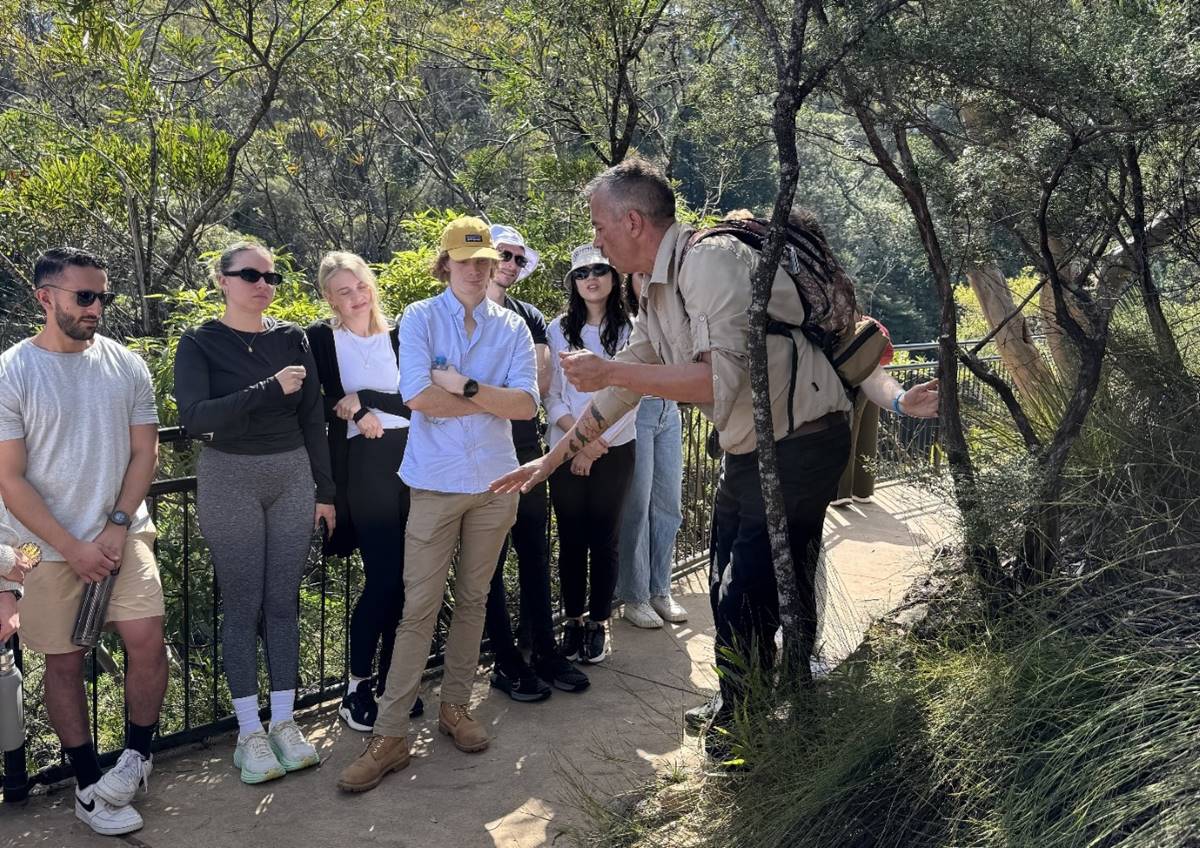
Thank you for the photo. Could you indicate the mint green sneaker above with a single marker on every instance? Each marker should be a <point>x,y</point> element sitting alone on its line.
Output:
<point>291,748</point>
<point>255,758</point>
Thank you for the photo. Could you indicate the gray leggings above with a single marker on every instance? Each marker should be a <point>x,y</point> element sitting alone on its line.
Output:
<point>256,513</point>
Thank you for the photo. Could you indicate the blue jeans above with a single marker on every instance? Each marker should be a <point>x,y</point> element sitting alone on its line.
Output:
<point>652,515</point>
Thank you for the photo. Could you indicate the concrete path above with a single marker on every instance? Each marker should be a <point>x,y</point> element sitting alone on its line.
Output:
<point>527,788</point>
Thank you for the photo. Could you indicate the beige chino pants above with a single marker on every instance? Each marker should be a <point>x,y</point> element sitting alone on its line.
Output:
<point>438,523</point>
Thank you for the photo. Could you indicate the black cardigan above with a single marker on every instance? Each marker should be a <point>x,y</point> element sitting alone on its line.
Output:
<point>320,338</point>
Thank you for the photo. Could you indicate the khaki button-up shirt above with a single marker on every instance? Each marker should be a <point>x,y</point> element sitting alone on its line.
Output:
<point>701,308</point>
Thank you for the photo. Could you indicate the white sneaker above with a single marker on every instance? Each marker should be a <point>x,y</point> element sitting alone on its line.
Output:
<point>293,751</point>
<point>641,615</point>
<point>668,609</point>
<point>255,758</point>
<point>105,818</point>
<point>122,781</point>
<point>867,499</point>
<point>841,501</point>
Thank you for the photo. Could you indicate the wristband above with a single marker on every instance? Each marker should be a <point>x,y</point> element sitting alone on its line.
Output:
<point>896,404</point>
<point>358,416</point>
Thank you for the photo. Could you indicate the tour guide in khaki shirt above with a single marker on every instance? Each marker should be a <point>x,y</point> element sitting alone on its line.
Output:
<point>689,344</point>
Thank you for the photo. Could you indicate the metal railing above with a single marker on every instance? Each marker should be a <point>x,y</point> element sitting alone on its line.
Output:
<point>197,703</point>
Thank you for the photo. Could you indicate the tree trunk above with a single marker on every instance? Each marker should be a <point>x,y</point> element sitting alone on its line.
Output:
<point>1013,341</point>
<point>783,126</point>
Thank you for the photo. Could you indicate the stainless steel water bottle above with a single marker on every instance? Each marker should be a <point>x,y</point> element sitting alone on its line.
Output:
<point>12,727</point>
<point>12,710</point>
<point>93,608</point>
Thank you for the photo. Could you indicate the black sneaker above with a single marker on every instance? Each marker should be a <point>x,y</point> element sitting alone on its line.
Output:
<point>517,679</point>
<point>698,718</point>
<point>359,709</point>
<point>558,671</point>
<point>595,646</point>
<point>418,707</point>
<point>572,640</point>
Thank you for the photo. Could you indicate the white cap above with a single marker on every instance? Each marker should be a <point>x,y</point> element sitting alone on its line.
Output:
<point>509,235</point>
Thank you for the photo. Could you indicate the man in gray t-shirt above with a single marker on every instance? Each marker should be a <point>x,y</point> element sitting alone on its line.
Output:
<point>78,451</point>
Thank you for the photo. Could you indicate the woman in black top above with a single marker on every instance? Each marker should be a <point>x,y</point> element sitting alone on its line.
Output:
<point>357,355</point>
<point>247,383</point>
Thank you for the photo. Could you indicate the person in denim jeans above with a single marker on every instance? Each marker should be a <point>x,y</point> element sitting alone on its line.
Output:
<point>652,512</point>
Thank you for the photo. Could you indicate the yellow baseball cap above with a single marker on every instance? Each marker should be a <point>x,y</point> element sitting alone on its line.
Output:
<point>468,238</point>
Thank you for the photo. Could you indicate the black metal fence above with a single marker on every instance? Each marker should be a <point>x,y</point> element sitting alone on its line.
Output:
<point>198,704</point>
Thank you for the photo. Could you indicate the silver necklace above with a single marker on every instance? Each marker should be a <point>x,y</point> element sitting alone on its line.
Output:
<point>237,334</point>
<point>361,345</point>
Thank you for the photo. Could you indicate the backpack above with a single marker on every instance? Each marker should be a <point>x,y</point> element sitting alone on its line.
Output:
<point>832,321</point>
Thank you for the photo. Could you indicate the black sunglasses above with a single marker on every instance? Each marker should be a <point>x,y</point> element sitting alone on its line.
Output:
<point>597,270</point>
<point>86,297</point>
<point>250,275</point>
<point>509,256</point>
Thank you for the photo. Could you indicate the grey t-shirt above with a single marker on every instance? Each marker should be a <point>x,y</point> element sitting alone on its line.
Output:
<point>74,411</point>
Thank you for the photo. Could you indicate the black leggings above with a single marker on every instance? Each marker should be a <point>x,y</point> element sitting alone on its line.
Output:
<point>378,501</point>
<point>588,511</point>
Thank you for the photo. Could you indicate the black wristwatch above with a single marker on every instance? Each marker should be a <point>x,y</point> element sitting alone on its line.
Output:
<point>470,388</point>
<point>361,414</point>
<point>119,518</point>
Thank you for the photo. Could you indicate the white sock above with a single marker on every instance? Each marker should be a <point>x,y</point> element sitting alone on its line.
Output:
<point>352,686</point>
<point>246,710</point>
<point>281,706</point>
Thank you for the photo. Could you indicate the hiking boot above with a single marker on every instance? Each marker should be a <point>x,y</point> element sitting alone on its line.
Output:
<point>293,751</point>
<point>572,639</point>
<point>668,609</point>
<point>383,754</point>
<point>698,718</point>
<point>517,680</point>
<point>641,614</point>
<point>721,752</point>
<point>105,818</point>
<point>455,721</point>
<point>122,781</point>
<point>596,647</point>
<point>558,671</point>
<point>359,709</point>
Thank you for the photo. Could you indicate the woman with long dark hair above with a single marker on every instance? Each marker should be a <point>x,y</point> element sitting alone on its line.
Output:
<point>588,493</point>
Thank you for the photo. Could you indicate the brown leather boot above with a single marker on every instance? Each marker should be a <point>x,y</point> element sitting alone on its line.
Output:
<point>382,755</point>
<point>456,722</point>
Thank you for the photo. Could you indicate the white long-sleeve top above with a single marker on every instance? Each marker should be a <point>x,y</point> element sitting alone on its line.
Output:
<point>565,399</point>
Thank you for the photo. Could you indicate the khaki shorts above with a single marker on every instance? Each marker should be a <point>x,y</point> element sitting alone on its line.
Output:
<point>53,591</point>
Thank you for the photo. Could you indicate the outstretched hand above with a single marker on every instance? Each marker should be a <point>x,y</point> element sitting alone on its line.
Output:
<point>524,478</point>
<point>921,401</point>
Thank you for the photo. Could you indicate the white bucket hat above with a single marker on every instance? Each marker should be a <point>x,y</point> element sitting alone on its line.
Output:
<point>509,235</point>
<point>584,255</point>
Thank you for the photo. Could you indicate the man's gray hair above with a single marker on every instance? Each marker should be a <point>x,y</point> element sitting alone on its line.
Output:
<point>637,185</point>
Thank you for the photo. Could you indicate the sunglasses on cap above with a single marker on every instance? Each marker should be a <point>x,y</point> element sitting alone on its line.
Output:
<point>250,275</point>
<point>509,256</point>
<point>86,297</point>
<point>597,270</point>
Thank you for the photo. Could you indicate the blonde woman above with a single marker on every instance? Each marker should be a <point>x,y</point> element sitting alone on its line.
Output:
<point>357,363</point>
<point>263,483</point>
